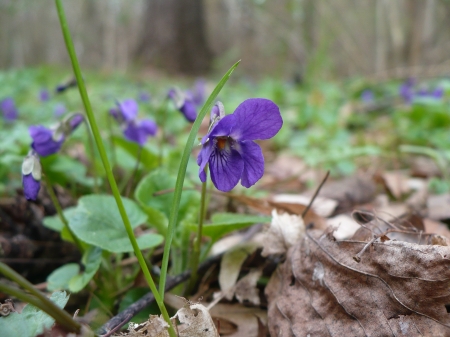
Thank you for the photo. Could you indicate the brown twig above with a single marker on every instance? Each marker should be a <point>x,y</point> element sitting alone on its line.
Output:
<point>315,194</point>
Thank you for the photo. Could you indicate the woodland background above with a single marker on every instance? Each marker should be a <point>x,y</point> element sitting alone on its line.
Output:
<point>292,39</point>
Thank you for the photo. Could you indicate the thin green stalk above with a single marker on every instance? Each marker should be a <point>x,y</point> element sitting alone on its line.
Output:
<point>60,212</point>
<point>107,166</point>
<point>92,152</point>
<point>129,182</point>
<point>198,239</point>
<point>40,301</point>
<point>182,173</point>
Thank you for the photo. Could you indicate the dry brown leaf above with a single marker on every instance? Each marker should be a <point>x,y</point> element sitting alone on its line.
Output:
<point>156,326</point>
<point>245,319</point>
<point>246,291</point>
<point>439,206</point>
<point>349,192</point>
<point>322,206</point>
<point>345,226</point>
<point>396,182</point>
<point>397,289</point>
<point>230,267</point>
<point>285,230</point>
<point>198,321</point>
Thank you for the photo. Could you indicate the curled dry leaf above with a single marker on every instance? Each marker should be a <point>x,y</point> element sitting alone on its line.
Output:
<point>285,231</point>
<point>198,321</point>
<point>246,291</point>
<point>397,289</point>
<point>156,326</point>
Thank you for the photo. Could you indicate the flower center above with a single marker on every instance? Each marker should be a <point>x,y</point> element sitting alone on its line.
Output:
<point>221,142</point>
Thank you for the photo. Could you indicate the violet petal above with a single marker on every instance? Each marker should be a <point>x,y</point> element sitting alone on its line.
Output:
<point>43,142</point>
<point>226,168</point>
<point>256,118</point>
<point>253,162</point>
<point>189,110</point>
<point>30,187</point>
<point>129,109</point>
<point>203,158</point>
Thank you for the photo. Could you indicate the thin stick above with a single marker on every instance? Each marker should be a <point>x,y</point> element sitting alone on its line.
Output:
<point>315,194</point>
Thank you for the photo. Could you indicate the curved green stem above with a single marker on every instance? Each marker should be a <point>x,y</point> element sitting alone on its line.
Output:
<point>40,301</point>
<point>107,166</point>
<point>182,173</point>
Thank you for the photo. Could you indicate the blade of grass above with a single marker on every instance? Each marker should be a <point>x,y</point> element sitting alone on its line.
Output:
<point>182,173</point>
<point>107,166</point>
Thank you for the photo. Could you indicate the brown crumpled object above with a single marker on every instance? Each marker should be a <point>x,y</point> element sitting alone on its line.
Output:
<point>397,289</point>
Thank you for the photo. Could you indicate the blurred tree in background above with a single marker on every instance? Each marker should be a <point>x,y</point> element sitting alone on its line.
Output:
<point>287,38</point>
<point>174,36</point>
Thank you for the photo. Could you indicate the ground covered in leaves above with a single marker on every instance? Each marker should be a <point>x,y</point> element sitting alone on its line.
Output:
<point>361,251</point>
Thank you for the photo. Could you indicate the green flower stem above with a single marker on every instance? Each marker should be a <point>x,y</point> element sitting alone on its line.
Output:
<point>107,166</point>
<point>60,212</point>
<point>182,173</point>
<point>92,153</point>
<point>40,300</point>
<point>198,240</point>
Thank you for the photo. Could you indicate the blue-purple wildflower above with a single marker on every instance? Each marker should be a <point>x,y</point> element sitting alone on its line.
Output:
<point>134,130</point>
<point>47,141</point>
<point>229,146</point>
<point>60,109</point>
<point>9,109</point>
<point>44,95</point>
<point>409,92</point>
<point>31,175</point>
<point>367,96</point>
<point>184,104</point>
<point>144,97</point>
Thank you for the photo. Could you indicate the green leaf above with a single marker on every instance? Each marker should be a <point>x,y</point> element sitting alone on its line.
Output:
<point>158,207</point>
<point>97,221</point>
<point>59,279</point>
<point>54,222</point>
<point>148,158</point>
<point>91,261</point>
<point>62,170</point>
<point>224,223</point>
<point>32,321</point>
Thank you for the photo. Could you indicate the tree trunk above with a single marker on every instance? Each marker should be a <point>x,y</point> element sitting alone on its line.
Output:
<point>174,36</point>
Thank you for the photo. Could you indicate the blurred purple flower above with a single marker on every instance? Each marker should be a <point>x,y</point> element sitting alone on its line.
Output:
<point>44,95</point>
<point>134,130</point>
<point>198,93</point>
<point>229,146</point>
<point>60,88</point>
<point>409,92</point>
<point>367,96</point>
<point>31,175</point>
<point>47,141</point>
<point>9,109</point>
<point>60,109</point>
<point>406,90</point>
<point>144,96</point>
<point>184,104</point>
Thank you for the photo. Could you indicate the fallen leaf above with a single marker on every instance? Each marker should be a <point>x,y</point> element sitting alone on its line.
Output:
<point>345,226</point>
<point>439,206</point>
<point>396,182</point>
<point>397,289</point>
<point>198,321</point>
<point>285,231</point>
<point>246,290</point>
<point>230,267</point>
<point>156,326</point>
<point>323,207</point>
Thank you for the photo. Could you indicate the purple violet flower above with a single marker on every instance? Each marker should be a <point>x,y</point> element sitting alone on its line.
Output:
<point>31,175</point>
<point>184,104</point>
<point>406,90</point>
<point>139,131</point>
<point>144,96</point>
<point>134,130</point>
<point>367,96</point>
<point>198,92</point>
<point>47,141</point>
<point>229,146</point>
<point>59,110</point>
<point>9,109</point>
<point>44,95</point>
